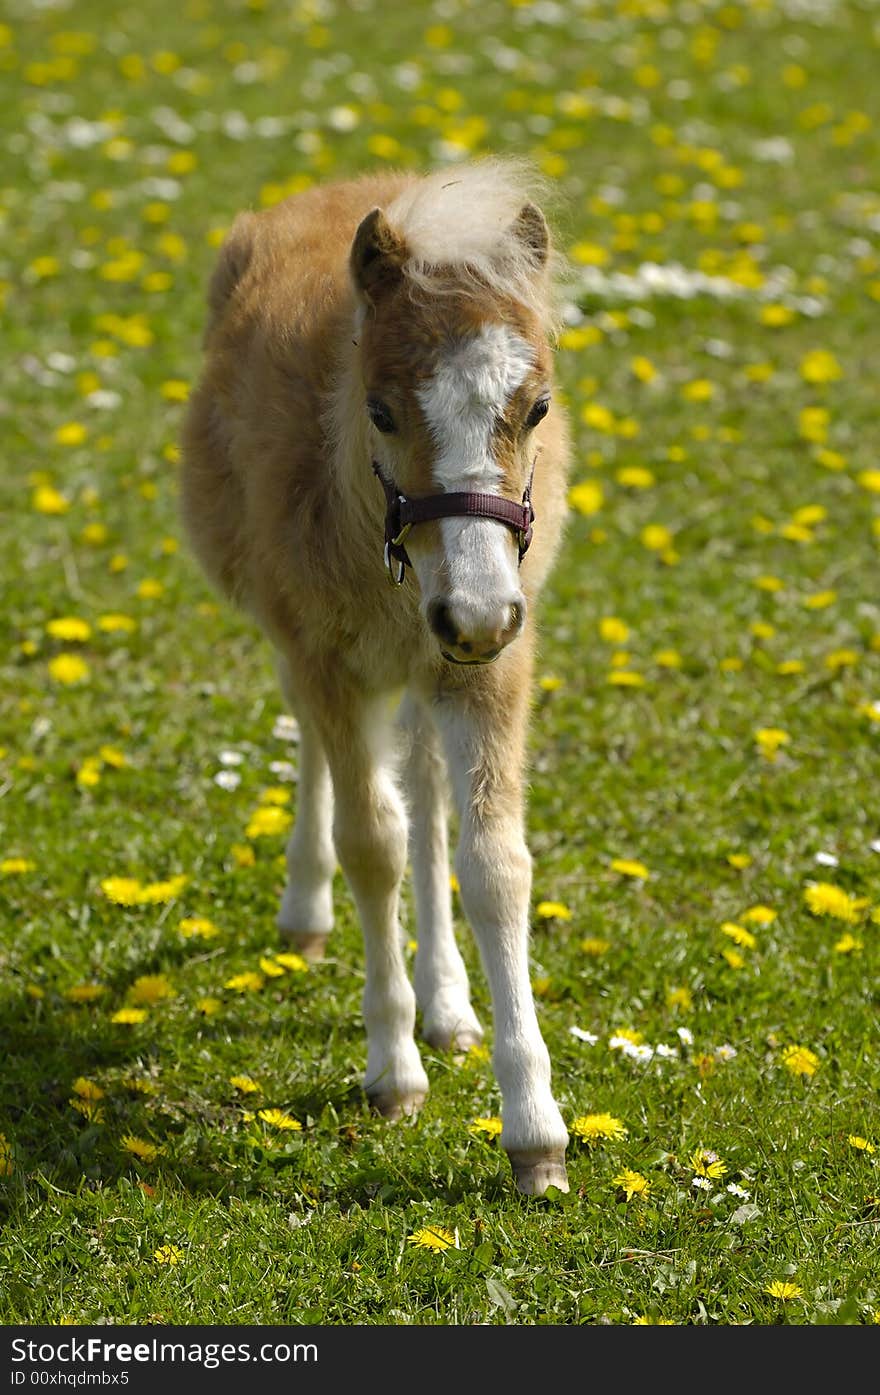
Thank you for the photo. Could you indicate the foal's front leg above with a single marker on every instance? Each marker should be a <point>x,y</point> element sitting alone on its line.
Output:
<point>441,982</point>
<point>485,743</point>
<point>370,835</point>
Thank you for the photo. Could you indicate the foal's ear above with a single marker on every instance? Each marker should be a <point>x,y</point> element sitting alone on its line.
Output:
<point>530,227</point>
<point>377,254</point>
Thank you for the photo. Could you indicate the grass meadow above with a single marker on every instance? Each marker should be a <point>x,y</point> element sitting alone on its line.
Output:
<point>183,1138</point>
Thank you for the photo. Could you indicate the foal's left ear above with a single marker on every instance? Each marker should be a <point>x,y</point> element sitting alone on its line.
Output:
<point>530,227</point>
<point>377,254</point>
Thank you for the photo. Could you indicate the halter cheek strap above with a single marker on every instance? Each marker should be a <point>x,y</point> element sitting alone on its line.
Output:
<point>403,514</point>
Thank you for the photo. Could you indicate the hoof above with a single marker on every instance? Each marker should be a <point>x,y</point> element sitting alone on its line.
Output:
<point>309,943</point>
<point>396,1106</point>
<point>459,1039</point>
<point>534,1171</point>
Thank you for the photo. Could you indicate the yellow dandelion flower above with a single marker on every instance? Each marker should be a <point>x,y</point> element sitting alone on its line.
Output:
<point>433,1237</point>
<point>733,958</point>
<point>69,669</point>
<point>595,946</point>
<point>89,1109</point>
<point>633,1184</point>
<point>769,740</point>
<point>139,1148</point>
<point>491,1127</point>
<point>800,1060</point>
<point>111,756</point>
<point>635,477</point>
<point>643,369</point>
<point>129,1016</point>
<point>629,868</point>
<point>553,910</point>
<point>122,891</point>
<point>680,999</point>
<point>158,893</point>
<point>270,968</point>
<point>268,821</point>
<point>16,866</point>
<point>707,1163</point>
<point>820,600</point>
<point>627,1034</point>
<point>782,1288</point>
<point>113,623</point>
<point>279,1119</point>
<point>739,860</point>
<point>48,500</point>
<point>625,678</point>
<point>598,1128</point>
<point>668,658</point>
<point>739,934</point>
<point>245,1084</point>
<point>150,589</point>
<point>87,1089</point>
<point>208,1006</point>
<point>72,433</point>
<point>698,390</point>
<point>148,990</point>
<point>848,944</point>
<point>656,537</point>
<point>168,1254</point>
<point>586,498</point>
<point>248,982</point>
<point>862,1145</point>
<point>759,915</point>
<point>6,1164</point>
<point>174,390</point>
<point>85,992</point>
<point>823,898</point>
<point>613,630</point>
<point>820,366</point>
<point>294,962</point>
<point>70,628</point>
<point>198,926</point>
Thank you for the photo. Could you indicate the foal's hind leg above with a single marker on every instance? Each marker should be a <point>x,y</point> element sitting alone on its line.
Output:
<point>305,918</point>
<point>369,831</point>
<point>441,982</point>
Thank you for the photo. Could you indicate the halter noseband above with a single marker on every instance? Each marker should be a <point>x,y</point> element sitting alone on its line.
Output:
<point>403,514</point>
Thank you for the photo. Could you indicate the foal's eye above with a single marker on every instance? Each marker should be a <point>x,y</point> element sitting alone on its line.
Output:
<point>538,412</point>
<point>380,416</point>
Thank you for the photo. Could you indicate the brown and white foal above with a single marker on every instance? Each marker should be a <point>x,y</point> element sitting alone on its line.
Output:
<point>377,376</point>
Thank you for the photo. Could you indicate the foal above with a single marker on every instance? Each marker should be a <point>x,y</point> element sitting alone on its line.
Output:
<point>377,370</point>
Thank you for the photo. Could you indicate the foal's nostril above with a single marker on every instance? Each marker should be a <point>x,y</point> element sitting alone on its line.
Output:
<point>440,620</point>
<point>517,617</point>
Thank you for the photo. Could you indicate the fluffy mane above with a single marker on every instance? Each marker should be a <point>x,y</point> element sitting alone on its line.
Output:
<point>463,218</point>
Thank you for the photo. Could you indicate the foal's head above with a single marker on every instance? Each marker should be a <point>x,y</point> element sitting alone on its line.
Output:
<point>456,376</point>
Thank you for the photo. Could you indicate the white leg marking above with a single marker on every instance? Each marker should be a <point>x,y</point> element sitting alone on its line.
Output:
<point>494,871</point>
<point>441,983</point>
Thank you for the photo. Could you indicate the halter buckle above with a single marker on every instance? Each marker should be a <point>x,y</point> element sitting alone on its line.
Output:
<point>396,578</point>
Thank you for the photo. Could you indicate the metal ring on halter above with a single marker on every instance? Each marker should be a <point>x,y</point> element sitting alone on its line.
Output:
<point>390,562</point>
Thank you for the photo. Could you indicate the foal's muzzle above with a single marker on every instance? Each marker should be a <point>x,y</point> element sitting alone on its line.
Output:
<point>472,635</point>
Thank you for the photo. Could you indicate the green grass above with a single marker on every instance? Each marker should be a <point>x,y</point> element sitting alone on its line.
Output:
<point>274,1225</point>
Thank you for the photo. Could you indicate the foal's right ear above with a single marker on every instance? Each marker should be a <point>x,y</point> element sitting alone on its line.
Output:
<point>377,255</point>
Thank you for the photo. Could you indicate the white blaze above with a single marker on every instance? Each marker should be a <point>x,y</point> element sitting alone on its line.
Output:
<point>469,391</point>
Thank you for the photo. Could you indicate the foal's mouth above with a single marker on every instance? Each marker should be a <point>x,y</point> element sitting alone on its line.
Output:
<point>470,663</point>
